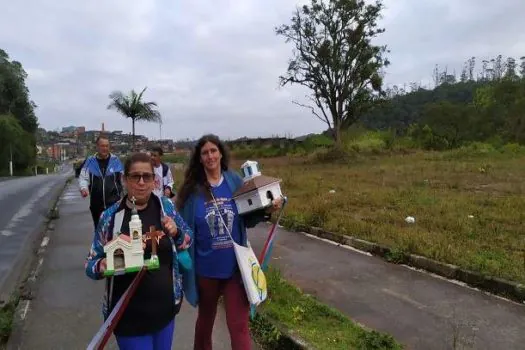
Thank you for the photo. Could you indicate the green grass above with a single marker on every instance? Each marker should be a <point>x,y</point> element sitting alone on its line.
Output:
<point>7,313</point>
<point>175,158</point>
<point>469,203</point>
<point>319,325</point>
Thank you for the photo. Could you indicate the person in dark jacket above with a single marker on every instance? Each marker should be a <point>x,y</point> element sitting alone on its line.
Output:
<point>101,178</point>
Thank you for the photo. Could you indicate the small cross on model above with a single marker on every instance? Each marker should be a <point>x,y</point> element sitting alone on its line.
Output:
<point>155,236</point>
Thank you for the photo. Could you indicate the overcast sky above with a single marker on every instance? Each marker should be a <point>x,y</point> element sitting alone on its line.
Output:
<point>214,68</point>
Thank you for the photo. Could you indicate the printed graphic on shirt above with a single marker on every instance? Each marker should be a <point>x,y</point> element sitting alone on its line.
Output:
<point>220,237</point>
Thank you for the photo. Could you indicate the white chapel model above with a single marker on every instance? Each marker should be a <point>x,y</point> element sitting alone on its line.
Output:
<point>258,191</point>
<point>125,254</point>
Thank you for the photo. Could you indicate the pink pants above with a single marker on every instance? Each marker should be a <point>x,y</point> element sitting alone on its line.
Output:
<point>237,312</point>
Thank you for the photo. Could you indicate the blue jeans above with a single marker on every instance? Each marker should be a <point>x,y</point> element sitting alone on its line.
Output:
<point>160,340</point>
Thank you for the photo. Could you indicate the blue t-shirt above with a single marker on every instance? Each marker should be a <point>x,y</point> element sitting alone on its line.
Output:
<point>215,257</point>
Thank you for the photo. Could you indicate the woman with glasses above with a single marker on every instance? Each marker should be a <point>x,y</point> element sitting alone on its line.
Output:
<point>148,321</point>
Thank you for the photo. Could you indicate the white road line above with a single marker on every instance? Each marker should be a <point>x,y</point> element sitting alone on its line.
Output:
<point>337,244</point>
<point>453,281</point>
<point>25,210</point>
<point>404,298</point>
<point>25,310</point>
<point>461,284</point>
<point>35,272</point>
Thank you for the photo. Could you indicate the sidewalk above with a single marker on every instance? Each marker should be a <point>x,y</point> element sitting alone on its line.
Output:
<point>419,310</point>
<point>66,310</point>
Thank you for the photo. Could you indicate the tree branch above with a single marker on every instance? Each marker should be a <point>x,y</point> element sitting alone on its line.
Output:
<point>312,109</point>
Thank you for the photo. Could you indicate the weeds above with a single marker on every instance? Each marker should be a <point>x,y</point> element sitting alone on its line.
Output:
<point>321,326</point>
<point>7,313</point>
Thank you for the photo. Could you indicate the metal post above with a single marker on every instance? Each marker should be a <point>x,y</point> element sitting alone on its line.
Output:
<point>11,160</point>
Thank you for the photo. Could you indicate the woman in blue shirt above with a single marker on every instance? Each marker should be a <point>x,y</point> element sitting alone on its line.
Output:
<point>215,271</point>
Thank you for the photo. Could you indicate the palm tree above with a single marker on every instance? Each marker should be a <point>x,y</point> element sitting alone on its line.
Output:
<point>132,106</point>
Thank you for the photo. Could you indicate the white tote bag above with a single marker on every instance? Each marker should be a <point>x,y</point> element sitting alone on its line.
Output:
<point>252,275</point>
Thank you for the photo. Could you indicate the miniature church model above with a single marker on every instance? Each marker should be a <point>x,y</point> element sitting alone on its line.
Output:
<point>125,253</point>
<point>258,191</point>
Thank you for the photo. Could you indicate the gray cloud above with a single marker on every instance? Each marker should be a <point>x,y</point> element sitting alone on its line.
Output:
<point>215,68</point>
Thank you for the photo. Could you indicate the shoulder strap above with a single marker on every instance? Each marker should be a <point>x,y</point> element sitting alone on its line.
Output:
<point>164,169</point>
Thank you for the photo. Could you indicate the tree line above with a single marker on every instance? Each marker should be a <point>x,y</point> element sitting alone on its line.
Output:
<point>335,59</point>
<point>477,105</point>
<point>18,122</point>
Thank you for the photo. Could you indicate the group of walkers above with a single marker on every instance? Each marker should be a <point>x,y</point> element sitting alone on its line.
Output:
<point>190,219</point>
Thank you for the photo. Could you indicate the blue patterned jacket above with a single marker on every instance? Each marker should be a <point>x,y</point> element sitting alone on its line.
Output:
<point>104,234</point>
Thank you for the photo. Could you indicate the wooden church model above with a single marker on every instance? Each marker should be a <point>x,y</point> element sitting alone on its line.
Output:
<point>125,254</point>
<point>258,191</point>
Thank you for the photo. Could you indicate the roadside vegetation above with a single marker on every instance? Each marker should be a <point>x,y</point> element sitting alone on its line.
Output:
<point>468,203</point>
<point>319,325</point>
<point>7,312</point>
<point>18,122</point>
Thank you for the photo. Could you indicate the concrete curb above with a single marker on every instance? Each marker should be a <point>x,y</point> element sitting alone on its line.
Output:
<point>282,336</point>
<point>494,285</point>
<point>26,290</point>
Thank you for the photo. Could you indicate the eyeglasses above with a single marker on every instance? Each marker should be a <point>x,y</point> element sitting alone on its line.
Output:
<point>146,177</point>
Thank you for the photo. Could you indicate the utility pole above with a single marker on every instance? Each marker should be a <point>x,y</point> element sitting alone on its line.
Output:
<point>11,159</point>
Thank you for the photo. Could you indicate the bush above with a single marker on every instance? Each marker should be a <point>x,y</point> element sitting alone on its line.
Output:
<point>426,139</point>
<point>513,148</point>
<point>371,142</point>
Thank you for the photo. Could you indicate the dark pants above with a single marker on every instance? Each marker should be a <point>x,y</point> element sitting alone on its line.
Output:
<point>237,312</point>
<point>95,214</point>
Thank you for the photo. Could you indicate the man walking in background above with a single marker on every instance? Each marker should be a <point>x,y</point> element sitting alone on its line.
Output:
<point>163,178</point>
<point>101,177</point>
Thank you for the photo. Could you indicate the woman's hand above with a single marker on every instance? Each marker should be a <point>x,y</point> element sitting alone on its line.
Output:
<point>276,205</point>
<point>170,226</point>
<point>102,265</point>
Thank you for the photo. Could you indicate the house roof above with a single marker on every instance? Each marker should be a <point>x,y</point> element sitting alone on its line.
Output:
<point>122,240</point>
<point>249,163</point>
<point>255,183</point>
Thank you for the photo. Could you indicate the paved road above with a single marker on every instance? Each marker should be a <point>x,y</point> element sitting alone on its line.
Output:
<point>24,202</point>
<point>66,310</point>
<point>421,311</point>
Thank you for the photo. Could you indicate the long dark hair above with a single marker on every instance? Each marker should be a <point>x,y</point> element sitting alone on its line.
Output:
<point>194,176</point>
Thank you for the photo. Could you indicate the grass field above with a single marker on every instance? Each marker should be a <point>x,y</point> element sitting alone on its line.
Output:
<point>468,204</point>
